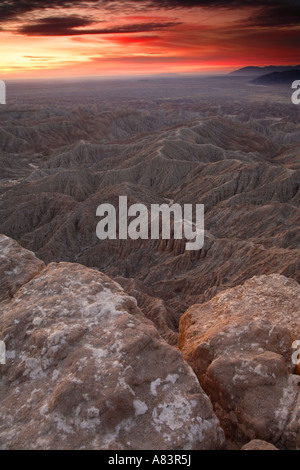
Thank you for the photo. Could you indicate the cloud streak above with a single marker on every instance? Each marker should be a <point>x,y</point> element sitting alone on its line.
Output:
<point>68,26</point>
<point>265,12</point>
<point>104,36</point>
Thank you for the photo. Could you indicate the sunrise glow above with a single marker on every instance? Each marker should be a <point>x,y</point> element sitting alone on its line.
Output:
<point>110,38</point>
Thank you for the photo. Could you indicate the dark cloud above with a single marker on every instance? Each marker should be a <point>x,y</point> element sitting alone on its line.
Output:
<point>55,25</point>
<point>282,14</point>
<point>12,9</point>
<point>70,26</point>
<point>266,13</point>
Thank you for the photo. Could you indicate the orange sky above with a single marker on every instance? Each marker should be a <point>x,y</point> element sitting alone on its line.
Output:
<point>104,38</point>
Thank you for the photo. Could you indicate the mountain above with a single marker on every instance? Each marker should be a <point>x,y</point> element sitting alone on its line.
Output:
<point>258,71</point>
<point>278,78</point>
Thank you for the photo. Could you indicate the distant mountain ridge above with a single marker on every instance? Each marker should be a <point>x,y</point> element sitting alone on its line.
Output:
<point>278,78</point>
<point>259,71</point>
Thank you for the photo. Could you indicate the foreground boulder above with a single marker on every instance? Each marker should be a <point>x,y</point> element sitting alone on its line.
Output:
<point>257,444</point>
<point>239,345</point>
<point>86,370</point>
<point>17,266</point>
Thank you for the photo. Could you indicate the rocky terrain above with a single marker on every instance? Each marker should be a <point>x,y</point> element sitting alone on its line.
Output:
<point>66,303</point>
<point>87,370</point>
<point>239,346</point>
<point>67,149</point>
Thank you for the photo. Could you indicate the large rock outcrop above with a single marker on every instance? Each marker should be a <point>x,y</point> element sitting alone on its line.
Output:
<point>239,345</point>
<point>86,370</point>
<point>17,266</point>
<point>257,444</point>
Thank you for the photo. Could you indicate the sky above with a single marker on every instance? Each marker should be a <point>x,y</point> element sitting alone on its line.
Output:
<point>102,38</point>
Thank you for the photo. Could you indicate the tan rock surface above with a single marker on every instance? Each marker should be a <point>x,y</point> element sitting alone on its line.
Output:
<point>17,266</point>
<point>86,370</point>
<point>257,444</point>
<point>239,345</point>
